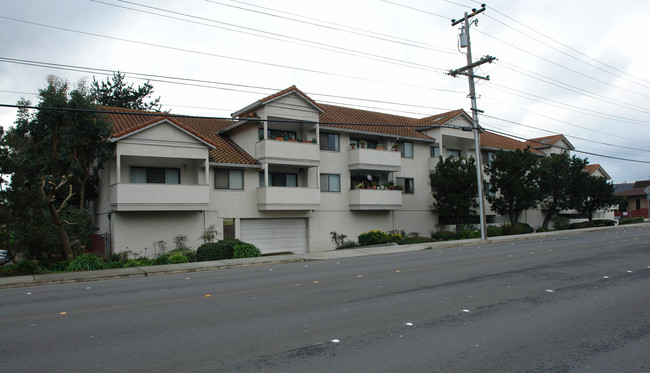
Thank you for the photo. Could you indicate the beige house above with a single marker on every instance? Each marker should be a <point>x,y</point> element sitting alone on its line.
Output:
<point>282,174</point>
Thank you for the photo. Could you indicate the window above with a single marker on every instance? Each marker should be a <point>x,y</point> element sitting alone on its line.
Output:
<point>329,141</point>
<point>487,191</point>
<point>638,204</point>
<point>434,151</point>
<point>330,183</point>
<point>363,143</point>
<point>272,134</point>
<point>228,179</point>
<point>406,148</point>
<point>151,175</point>
<point>489,157</point>
<point>228,228</point>
<point>407,185</point>
<point>280,179</point>
<point>454,153</point>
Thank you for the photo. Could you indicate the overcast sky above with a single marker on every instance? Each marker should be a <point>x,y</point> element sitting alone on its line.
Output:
<point>573,67</point>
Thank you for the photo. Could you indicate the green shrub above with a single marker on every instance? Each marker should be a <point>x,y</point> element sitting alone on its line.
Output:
<point>139,262</point>
<point>604,222</point>
<point>582,224</point>
<point>494,231</point>
<point>541,229</point>
<point>630,220</point>
<point>373,238</point>
<point>560,222</point>
<point>85,262</point>
<point>217,250</point>
<point>394,237</point>
<point>190,255</point>
<point>114,265</point>
<point>443,235</point>
<point>408,240</point>
<point>510,229</point>
<point>176,258</point>
<point>518,228</point>
<point>466,234</point>
<point>24,267</point>
<point>347,244</point>
<point>246,250</point>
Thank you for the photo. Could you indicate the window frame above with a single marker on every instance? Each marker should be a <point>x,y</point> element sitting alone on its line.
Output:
<point>151,175</point>
<point>403,182</point>
<point>229,173</point>
<point>329,180</point>
<point>324,143</point>
<point>402,149</point>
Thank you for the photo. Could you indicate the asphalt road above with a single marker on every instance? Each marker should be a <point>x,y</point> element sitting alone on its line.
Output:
<point>565,304</point>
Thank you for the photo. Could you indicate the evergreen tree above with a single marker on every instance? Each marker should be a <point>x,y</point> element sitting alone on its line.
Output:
<point>454,188</point>
<point>116,93</point>
<point>513,175</point>
<point>52,152</point>
<point>559,178</point>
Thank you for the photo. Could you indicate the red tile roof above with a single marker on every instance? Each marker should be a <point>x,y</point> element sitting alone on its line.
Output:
<point>493,141</point>
<point>370,121</point>
<point>126,121</point>
<point>548,141</point>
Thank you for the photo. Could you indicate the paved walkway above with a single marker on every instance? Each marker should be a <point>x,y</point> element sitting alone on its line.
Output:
<point>106,274</point>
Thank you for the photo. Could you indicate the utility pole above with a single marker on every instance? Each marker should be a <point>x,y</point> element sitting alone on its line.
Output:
<point>469,71</point>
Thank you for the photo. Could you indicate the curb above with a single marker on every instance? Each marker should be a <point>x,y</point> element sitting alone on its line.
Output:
<point>134,272</point>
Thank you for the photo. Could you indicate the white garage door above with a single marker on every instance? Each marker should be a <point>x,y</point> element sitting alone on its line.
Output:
<point>275,235</point>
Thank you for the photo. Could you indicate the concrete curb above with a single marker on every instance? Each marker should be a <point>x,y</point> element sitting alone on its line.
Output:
<point>107,274</point>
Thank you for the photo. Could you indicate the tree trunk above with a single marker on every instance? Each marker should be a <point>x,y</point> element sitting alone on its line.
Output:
<point>63,235</point>
<point>549,214</point>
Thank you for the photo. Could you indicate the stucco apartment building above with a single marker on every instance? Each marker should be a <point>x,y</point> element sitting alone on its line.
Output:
<point>282,174</point>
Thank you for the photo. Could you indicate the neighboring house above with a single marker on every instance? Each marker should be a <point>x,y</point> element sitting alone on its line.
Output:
<point>282,174</point>
<point>636,200</point>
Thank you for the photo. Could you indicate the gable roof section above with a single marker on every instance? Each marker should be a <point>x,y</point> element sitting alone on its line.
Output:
<point>223,150</point>
<point>637,190</point>
<point>591,168</point>
<point>444,118</point>
<point>549,141</point>
<point>248,111</point>
<point>492,140</point>
<point>358,120</point>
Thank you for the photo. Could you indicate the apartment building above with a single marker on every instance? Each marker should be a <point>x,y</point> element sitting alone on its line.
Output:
<point>282,174</point>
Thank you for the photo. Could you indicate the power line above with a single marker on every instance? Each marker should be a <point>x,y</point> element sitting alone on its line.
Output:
<point>337,27</point>
<point>578,151</point>
<point>216,55</point>
<point>202,83</point>
<point>275,36</point>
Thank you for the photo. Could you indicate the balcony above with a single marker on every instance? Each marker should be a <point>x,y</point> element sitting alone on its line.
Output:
<point>373,199</point>
<point>373,159</point>
<point>159,197</point>
<point>287,152</point>
<point>287,198</point>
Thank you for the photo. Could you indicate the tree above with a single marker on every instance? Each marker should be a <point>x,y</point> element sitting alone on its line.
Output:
<point>53,152</point>
<point>559,178</point>
<point>117,93</point>
<point>454,188</point>
<point>513,175</point>
<point>597,193</point>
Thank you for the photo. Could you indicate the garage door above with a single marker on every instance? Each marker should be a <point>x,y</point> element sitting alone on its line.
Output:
<point>275,235</point>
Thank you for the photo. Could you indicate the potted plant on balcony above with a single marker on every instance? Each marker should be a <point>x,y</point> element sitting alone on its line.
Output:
<point>299,139</point>
<point>395,147</point>
<point>380,145</point>
<point>313,140</point>
<point>362,143</point>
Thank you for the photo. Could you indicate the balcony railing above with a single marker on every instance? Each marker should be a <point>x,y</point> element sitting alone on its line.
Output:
<point>287,152</point>
<point>374,159</point>
<point>159,197</point>
<point>373,199</point>
<point>287,198</point>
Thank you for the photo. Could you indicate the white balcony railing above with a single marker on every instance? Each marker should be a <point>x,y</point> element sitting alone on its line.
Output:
<point>373,199</point>
<point>159,197</point>
<point>374,159</point>
<point>287,152</point>
<point>287,198</point>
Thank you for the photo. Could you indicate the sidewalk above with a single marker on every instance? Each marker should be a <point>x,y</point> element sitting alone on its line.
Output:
<point>106,274</point>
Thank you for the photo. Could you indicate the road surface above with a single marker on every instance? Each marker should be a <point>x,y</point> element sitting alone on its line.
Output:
<point>579,303</point>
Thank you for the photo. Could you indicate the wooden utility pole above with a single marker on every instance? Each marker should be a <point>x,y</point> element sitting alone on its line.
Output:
<point>469,71</point>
